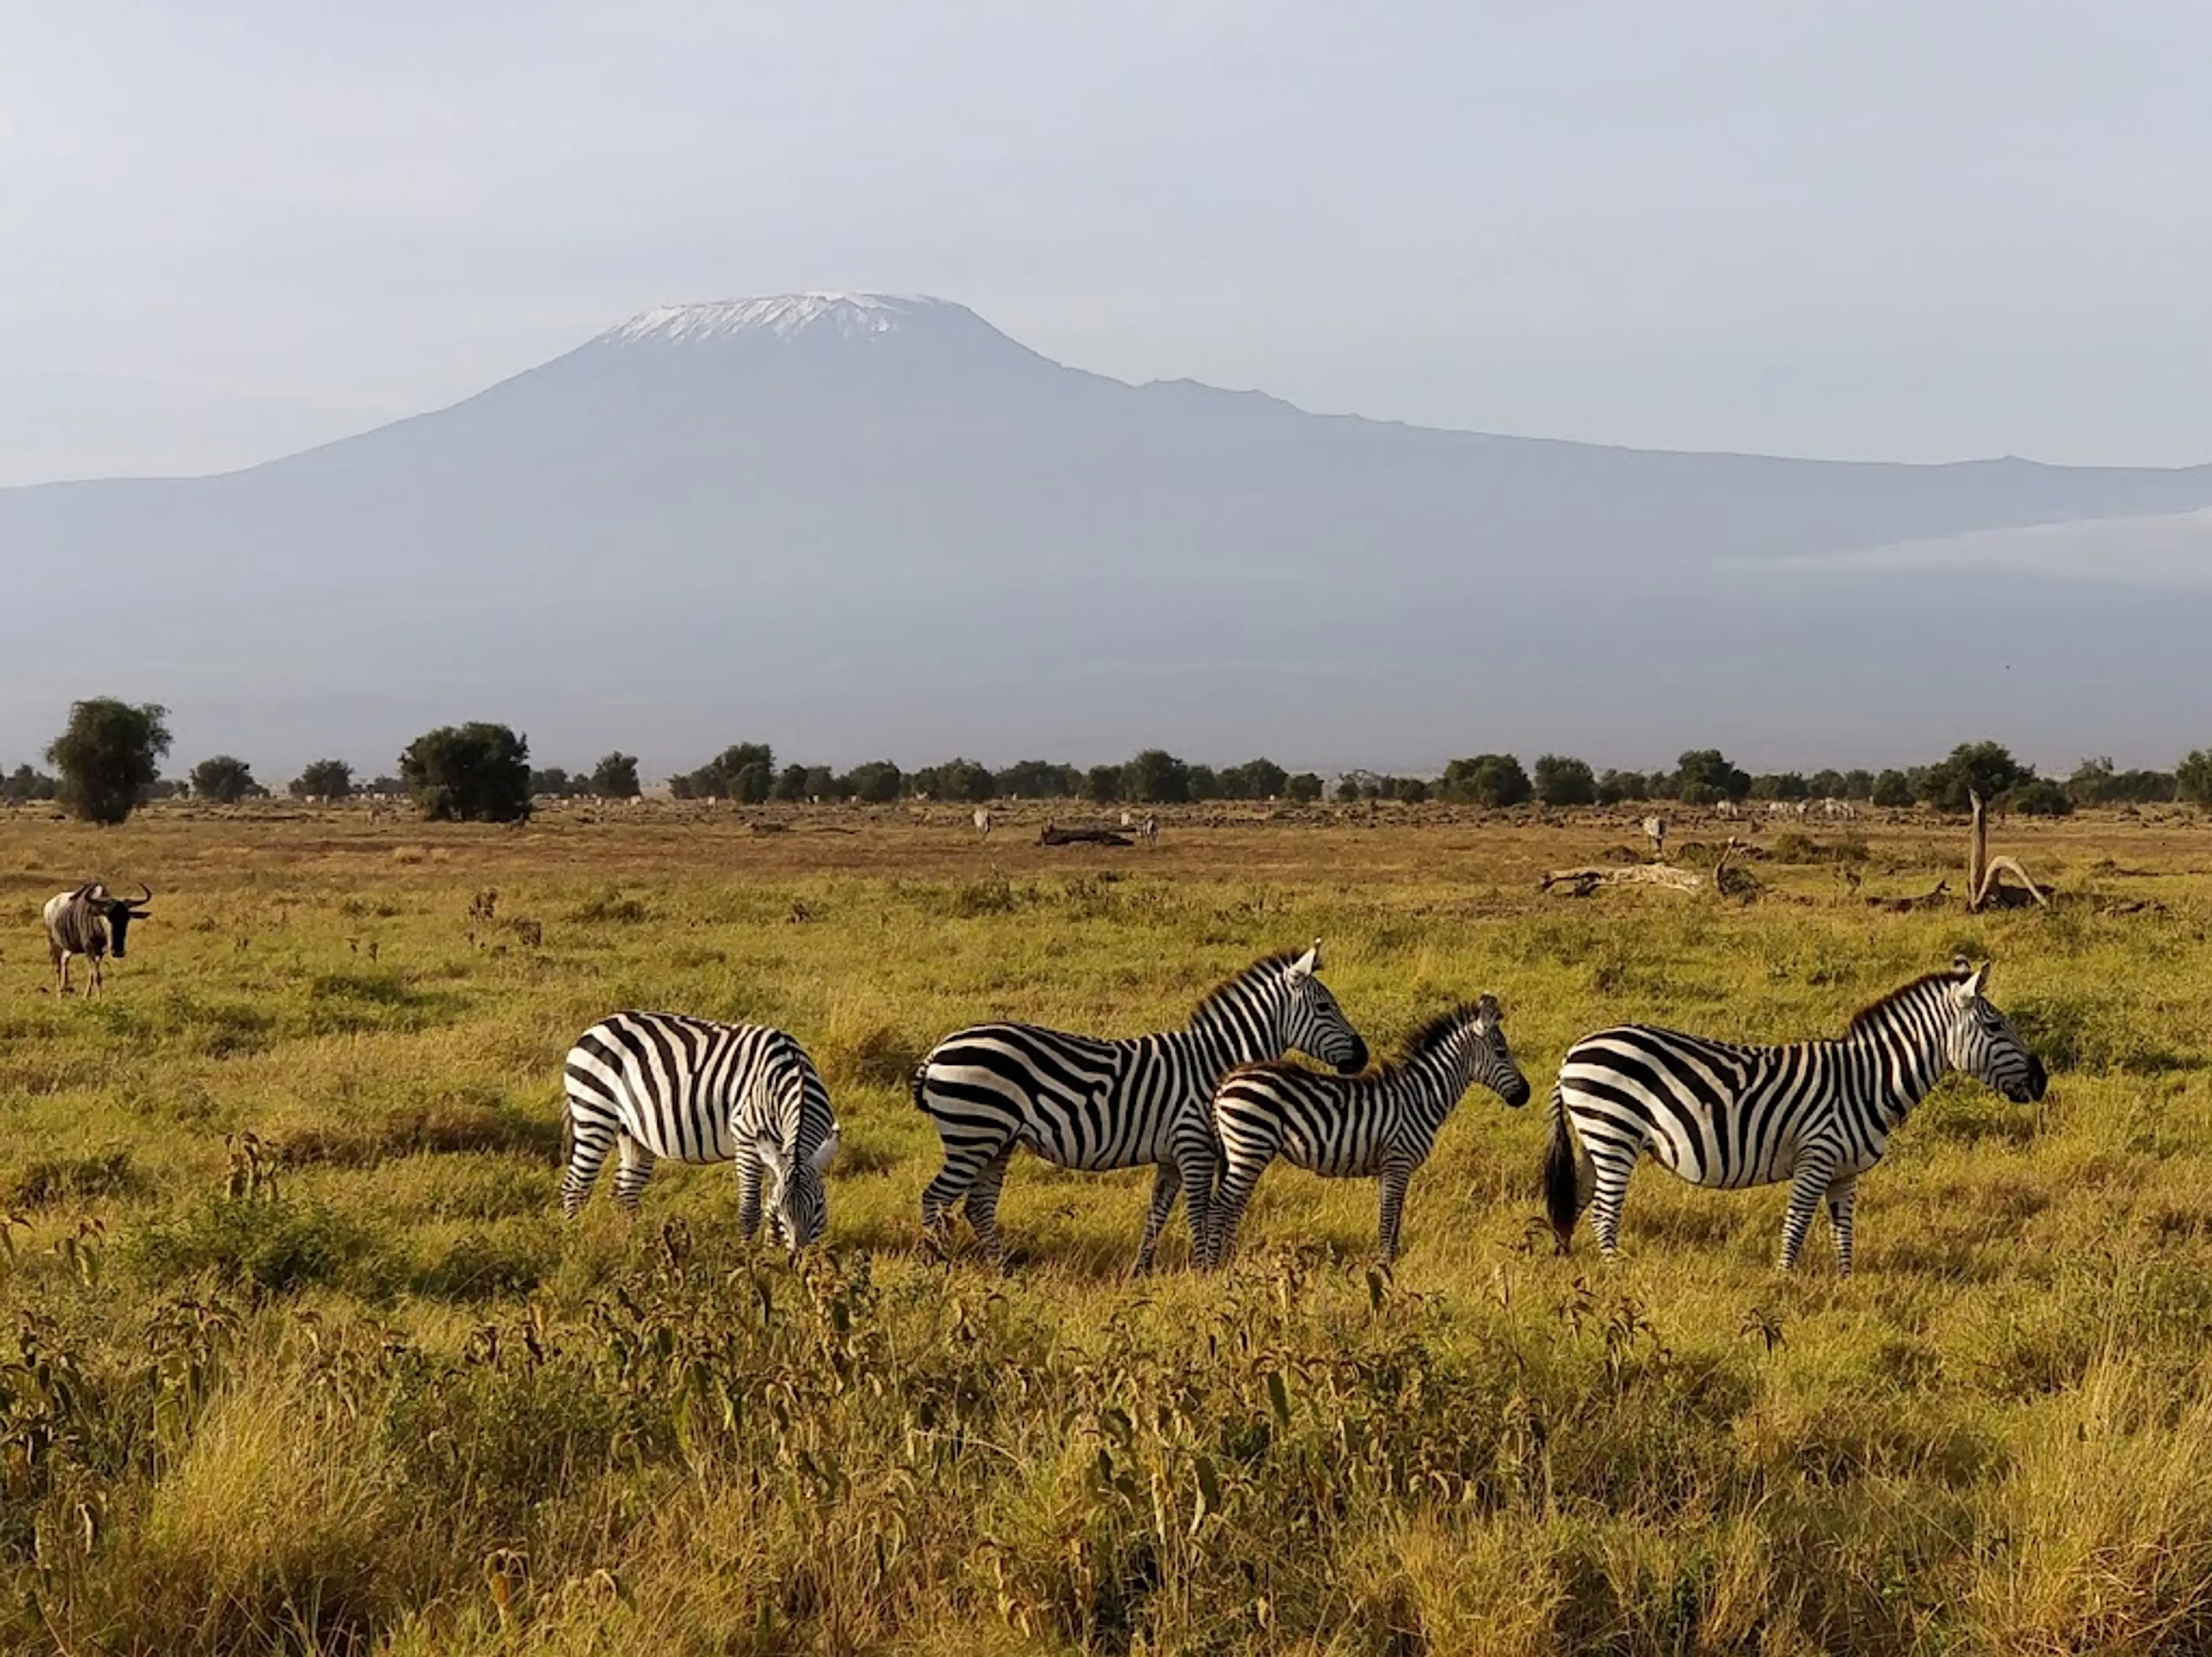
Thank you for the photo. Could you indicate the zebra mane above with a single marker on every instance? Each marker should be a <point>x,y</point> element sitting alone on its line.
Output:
<point>1864,1019</point>
<point>1213,998</point>
<point>1432,1036</point>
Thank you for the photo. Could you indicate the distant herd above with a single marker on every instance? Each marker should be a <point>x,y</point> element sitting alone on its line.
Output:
<point>1210,1105</point>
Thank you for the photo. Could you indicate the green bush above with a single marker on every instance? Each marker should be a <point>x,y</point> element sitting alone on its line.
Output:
<point>109,757</point>
<point>471,773</point>
<point>268,1244</point>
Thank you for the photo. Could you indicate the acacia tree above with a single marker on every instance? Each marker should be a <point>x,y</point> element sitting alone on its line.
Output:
<point>1562,780</point>
<point>2192,777</point>
<point>226,779</point>
<point>476,773</point>
<point>614,777</point>
<point>109,756</point>
<point>324,779</point>
<point>1495,780</point>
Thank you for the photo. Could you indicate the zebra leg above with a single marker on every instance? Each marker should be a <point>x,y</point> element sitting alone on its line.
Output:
<point>1394,1182</point>
<point>1239,1176</point>
<point>1200,1169</point>
<point>983,1204</point>
<point>963,1166</point>
<point>590,1141</point>
<point>1609,1173</point>
<point>1843,1195</point>
<point>1167,1185</point>
<point>629,1178</point>
<point>1806,1186</point>
<point>749,1194</point>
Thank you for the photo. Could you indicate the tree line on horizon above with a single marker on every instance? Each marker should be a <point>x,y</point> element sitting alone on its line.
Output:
<point>107,762</point>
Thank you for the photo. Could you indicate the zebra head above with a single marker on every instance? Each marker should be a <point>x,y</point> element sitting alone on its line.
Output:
<point>798,1204</point>
<point>1492,1061</point>
<point>1981,1043</point>
<point>1313,1023</point>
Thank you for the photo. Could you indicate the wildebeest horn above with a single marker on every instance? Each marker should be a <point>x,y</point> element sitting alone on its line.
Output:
<point>140,903</point>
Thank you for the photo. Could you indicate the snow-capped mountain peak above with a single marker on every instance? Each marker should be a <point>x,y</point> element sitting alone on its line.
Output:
<point>785,316</point>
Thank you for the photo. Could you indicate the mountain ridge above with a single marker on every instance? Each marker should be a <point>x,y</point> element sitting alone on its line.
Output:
<point>807,498</point>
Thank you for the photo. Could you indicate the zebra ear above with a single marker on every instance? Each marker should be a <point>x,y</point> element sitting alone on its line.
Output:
<point>1961,968</point>
<point>826,1152</point>
<point>1978,983</point>
<point>1488,1007</point>
<point>1307,964</point>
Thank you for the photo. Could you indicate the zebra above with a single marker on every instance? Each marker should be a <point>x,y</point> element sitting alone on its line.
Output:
<point>1149,830</point>
<point>1081,1102</point>
<point>1817,1114</point>
<point>1381,1125</point>
<point>90,923</point>
<point>1655,831</point>
<point>982,824</point>
<point>662,1084</point>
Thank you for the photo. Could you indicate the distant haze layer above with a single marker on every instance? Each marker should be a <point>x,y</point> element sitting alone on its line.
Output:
<point>863,526</point>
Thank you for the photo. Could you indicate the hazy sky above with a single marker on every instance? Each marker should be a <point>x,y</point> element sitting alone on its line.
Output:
<point>1919,231</point>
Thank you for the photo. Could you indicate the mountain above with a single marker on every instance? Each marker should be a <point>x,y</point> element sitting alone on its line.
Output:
<point>856,525</point>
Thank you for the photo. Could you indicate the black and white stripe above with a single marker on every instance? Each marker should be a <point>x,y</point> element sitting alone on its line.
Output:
<point>1380,1126</point>
<point>661,1084</point>
<point>1083,1102</point>
<point>1818,1114</point>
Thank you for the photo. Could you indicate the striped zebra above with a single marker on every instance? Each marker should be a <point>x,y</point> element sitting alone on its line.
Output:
<point>661,1084</point>
<point>1082,1102</point>
<point>1378,1126</point>
<point>1816,1113</point>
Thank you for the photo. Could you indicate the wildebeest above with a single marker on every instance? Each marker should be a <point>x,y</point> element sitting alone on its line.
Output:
<point>92,922</point>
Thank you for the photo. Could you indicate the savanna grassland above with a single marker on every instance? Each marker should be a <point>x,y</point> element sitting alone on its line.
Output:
<point>298,1355</point>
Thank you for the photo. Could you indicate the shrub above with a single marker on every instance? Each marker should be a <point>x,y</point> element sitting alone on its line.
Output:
<point>745,771</point>
<point>1892,787</point>
<point>614,777</point>
<point>476,772</point>
<point>226,779</point>
<point>2039,797</point>
<point>1495,780</point>
<point>1782,785</point>
<point>2192,777</point>
<point>1561,781</point>
<point>1102,784</point>
<point>1985,768</point>
<point>1155,777</point>
<point>326,779</point>
<point>1703,777</point>
<point>1040,779</point>
<point>1304,789</point>
<point>270,1244</point>
<point>1255,779</point>
<point>875,783</point>
<point>1618,787</point>
<point>23,784</point>
<point>109,757</point>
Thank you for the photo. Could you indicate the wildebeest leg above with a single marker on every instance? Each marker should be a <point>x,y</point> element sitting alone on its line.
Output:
<point>61,966</point>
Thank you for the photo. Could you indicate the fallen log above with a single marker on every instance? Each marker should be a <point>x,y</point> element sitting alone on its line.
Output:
<point>1985,887</point>
<point>1581,882</point>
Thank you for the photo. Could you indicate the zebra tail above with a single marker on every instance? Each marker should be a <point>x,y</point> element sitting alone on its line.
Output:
<point>1561,1191</point>
<point>568,1134</point>
<point>915,1085</point>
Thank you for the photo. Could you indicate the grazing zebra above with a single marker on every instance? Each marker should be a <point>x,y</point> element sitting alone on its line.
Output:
<point>90,923</point>
<point>660,1084</point>
<point>1380,1126</point>
<point>1655,831</point>
<point>1816,1113</point>
<point>1149,830</point>
<point>1081,1102</point>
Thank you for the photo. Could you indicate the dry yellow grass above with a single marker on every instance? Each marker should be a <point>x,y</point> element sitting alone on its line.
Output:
<point>299,1355</point>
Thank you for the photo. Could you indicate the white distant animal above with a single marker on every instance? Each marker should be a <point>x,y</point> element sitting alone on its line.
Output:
<point>1149,830</point>
<point>1655,831</point>
<point>1730,810</point>
<point>1127,822</point>
<point>983,822</point>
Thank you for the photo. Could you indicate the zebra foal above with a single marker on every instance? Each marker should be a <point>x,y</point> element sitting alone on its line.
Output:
<point>661,1084</point>
<point>1083,1102</point>
<point>1378,1126</point>
<point>1817,1114</point>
